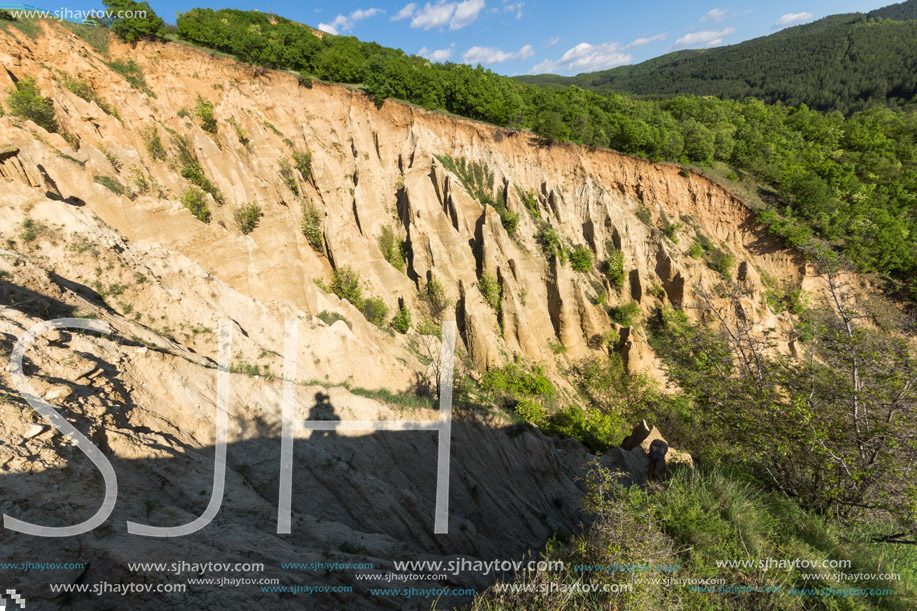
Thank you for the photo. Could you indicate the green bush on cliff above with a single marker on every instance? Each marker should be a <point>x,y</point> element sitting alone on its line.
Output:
<point>25,101</point>
<point>195,200</point>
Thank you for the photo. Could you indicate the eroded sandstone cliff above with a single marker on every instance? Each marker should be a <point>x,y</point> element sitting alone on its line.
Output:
<point>93,225</point>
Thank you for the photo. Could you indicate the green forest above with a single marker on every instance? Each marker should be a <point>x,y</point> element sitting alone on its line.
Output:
<point>851,181</point>
<point>844,62</point>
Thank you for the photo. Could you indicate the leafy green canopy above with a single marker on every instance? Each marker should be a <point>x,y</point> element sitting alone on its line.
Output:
<point>133,21</point>
<point>851,181</point>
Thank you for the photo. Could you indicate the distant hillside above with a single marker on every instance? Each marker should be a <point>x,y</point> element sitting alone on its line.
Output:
<point>843,62</point>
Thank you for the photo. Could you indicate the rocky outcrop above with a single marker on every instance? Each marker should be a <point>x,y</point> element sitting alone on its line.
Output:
<point>373,168</point>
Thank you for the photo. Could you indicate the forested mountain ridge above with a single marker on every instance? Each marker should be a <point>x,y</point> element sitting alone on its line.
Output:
<point>844,62</point>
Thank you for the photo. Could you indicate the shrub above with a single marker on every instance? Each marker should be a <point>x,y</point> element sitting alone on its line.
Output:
<point>590,426</point>
<point>671,231</point>
<point>345,283</point>
<point>312,227</point>
<point>434,295</point>
<point>720,262</point>
<point>614,268</point>
<point>204,112</point>
<point>375,311</point>
<point>793,300</point>
<point>643,213</point>
<point>716,258</point>
<point>531,410</point>
<point>196,201</point>
<point>150,136</point>
<point>392,247</point>
<point>518,380</point>
<point>303,162</point>
<point>247,217</point>
<point>528,200</point>
<point>142,24</point>
<point>428,327</point>
<point>402,321</point>
<point>492,291</point>
<point>549,240</point>
<point>581,259</point>
<point>625,315</point>
<point>286,172</point>
<point>509,219</point>
<point>329,318</point>
<point>26,101</point>
<point>6,16</point>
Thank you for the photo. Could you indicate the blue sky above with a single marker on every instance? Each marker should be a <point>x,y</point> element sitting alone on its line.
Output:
<point>534,36</point>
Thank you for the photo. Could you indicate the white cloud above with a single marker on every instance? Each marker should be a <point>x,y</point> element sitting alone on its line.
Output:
<point>456,14</point>
<point>645,41</point>
<point>545,67</point>
<point>513,7</point>
<point>708,38</point>
<point>437,55</point>
<point>466,13</point>
<point>585,57</point>
<point>405,12</point>
<point>554,40</point>
<point>716,15</point>
<point>792,19</point>
<point>344,23</point>
<point>359,14</point>
<point>431,16</point>
<point>327,27</point>
<point>490,55</point>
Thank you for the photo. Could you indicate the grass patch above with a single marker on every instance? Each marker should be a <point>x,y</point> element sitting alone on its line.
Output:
<point>152,142</point>
<point>715,257</point>
<point>693,520</point>
<point>329,318</point>
<point>478,180</point>
<point>131,72</point>
<point>96,37</point>
<point>84,91</point>
<point>111,184</point>
<point>286,173</point>
<point>191,170</point>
